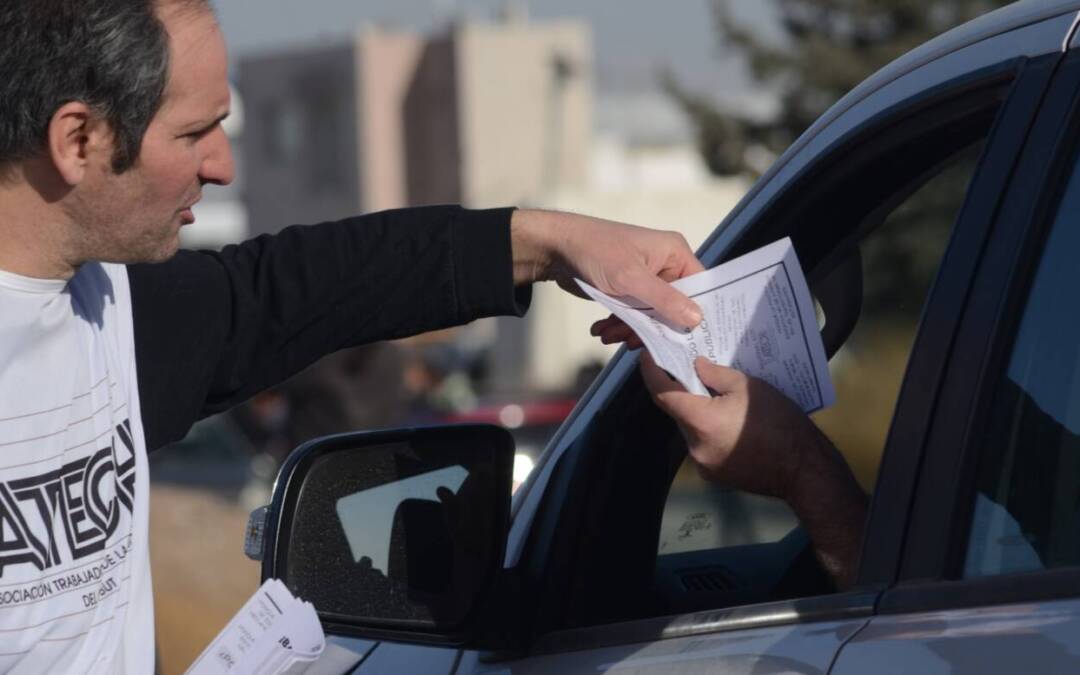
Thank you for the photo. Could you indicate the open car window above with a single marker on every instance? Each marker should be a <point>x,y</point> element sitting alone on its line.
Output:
<point>717,544</point>
<point>648,536</point>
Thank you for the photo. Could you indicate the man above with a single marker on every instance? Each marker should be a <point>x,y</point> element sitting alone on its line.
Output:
<point>110,127</point>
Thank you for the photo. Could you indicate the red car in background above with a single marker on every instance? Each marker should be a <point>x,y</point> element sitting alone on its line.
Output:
<point>532,423</point>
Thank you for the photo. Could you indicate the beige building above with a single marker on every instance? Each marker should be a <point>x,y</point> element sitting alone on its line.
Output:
<point>485,114</point>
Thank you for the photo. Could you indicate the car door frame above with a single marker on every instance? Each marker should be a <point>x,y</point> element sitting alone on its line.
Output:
<point>548,493</point>
<point>935,544</point>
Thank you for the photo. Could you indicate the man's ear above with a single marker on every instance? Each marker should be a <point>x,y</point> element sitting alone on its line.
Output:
<point>77,139</point>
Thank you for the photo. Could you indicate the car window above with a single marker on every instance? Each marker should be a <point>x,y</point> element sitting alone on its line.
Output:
<point>898,259</point>
<point>714,540</point>
<point>1026,513</point>
<point>649,536</point>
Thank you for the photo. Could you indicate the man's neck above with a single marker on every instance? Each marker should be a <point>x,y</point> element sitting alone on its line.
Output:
<point>35,232</point>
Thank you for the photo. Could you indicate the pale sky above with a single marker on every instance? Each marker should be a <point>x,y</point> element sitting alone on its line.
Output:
<point>632,38</point>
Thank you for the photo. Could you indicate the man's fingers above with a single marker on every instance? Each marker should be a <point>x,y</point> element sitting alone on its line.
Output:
<point>720,379</point>
<point>612,330</point>
<point>683,269</point>
<point>680,261</point>
<point>691,265</point>
<point>656,378</point>
<point>603,324</point>
<point>615,334</point>
<point>689,410</point>
<point>671,304</point>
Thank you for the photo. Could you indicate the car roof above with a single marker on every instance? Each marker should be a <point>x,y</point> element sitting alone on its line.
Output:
<point>1000,21</point>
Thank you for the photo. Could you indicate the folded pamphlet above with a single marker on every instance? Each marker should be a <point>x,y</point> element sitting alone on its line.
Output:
<point>759,318</point>
<point>273,633</point>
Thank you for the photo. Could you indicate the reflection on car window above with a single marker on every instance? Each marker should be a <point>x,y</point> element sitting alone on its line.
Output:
<point>1029,471</point>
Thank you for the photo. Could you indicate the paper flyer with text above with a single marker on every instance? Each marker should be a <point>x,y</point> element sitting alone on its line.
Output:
<point>759,318</point>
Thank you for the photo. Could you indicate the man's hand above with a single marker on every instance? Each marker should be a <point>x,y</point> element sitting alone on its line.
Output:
<point>751,437</point>
<point>616,258</point>
<point>747,436</point>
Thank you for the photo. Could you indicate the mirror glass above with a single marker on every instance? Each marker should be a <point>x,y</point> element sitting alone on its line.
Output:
<point>403,532</point>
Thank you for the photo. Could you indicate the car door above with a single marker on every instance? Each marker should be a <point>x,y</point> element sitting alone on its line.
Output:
<point>604,577</point>
<point>990,571</point>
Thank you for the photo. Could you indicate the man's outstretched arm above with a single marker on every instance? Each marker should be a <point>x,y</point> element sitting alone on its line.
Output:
<point>751,437</point>
<point>213,328</point>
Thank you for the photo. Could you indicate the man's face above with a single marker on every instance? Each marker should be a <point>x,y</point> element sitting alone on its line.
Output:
<point>136,216</point>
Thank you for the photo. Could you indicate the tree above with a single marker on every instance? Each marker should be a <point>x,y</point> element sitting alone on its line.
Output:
<point>824,49</point>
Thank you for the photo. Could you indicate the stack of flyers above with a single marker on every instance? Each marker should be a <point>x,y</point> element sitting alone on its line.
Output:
<point>272,633</point>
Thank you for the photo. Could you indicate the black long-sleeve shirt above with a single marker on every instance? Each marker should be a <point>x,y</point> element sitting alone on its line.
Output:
<point>214,328</point>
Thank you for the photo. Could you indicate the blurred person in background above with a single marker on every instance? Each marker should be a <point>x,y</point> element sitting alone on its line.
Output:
<point>112,343</point>
<point>438,381</point>
<point>355,388</point>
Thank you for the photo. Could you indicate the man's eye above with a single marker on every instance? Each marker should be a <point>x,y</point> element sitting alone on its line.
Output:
<point>196,135</point>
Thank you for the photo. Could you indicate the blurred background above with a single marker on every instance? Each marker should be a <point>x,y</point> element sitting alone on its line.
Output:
<point>655,113</point>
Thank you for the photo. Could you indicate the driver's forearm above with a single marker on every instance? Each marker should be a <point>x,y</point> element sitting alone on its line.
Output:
<point>832,508</point>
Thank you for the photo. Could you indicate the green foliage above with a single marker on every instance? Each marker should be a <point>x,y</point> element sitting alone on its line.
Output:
<point>824,49</point>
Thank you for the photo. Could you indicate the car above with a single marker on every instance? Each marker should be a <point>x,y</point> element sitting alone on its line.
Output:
<point>964,425</point>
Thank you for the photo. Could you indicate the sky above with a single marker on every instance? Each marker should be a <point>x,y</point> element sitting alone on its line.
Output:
<point>632,39</point>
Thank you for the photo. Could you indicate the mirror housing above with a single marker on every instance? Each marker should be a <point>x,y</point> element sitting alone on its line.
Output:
<point>394,535</point>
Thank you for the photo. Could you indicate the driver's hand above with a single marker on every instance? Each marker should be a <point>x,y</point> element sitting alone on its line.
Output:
<point>747,435</point>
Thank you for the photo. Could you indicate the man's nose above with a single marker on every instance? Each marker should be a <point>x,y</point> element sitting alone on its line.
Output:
<point>217,166</point>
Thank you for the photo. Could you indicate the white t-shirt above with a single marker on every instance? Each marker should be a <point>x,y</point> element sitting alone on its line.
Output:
<point>75,593</point>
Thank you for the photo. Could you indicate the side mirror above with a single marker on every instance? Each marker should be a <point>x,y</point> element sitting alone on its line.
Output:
<point>394,534</point>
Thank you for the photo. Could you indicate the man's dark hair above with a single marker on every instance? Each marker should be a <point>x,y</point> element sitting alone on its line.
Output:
<point>112,55</point>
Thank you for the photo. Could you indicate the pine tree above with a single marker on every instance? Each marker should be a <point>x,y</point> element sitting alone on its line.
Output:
<point>825,48</point>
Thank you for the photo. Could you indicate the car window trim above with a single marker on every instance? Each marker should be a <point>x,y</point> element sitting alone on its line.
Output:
<point>1002,589</point>
<point>936,542</point>
<point>903,456</point>
<point>836,607</point>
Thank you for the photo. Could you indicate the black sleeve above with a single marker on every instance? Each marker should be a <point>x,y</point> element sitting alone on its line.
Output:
<point>212,329</point>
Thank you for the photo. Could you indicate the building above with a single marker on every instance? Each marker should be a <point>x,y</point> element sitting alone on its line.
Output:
<point>484,114</point>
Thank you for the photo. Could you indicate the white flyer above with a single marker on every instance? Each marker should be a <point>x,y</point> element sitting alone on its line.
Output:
<point>273,634</point>
<point>759,318</point>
